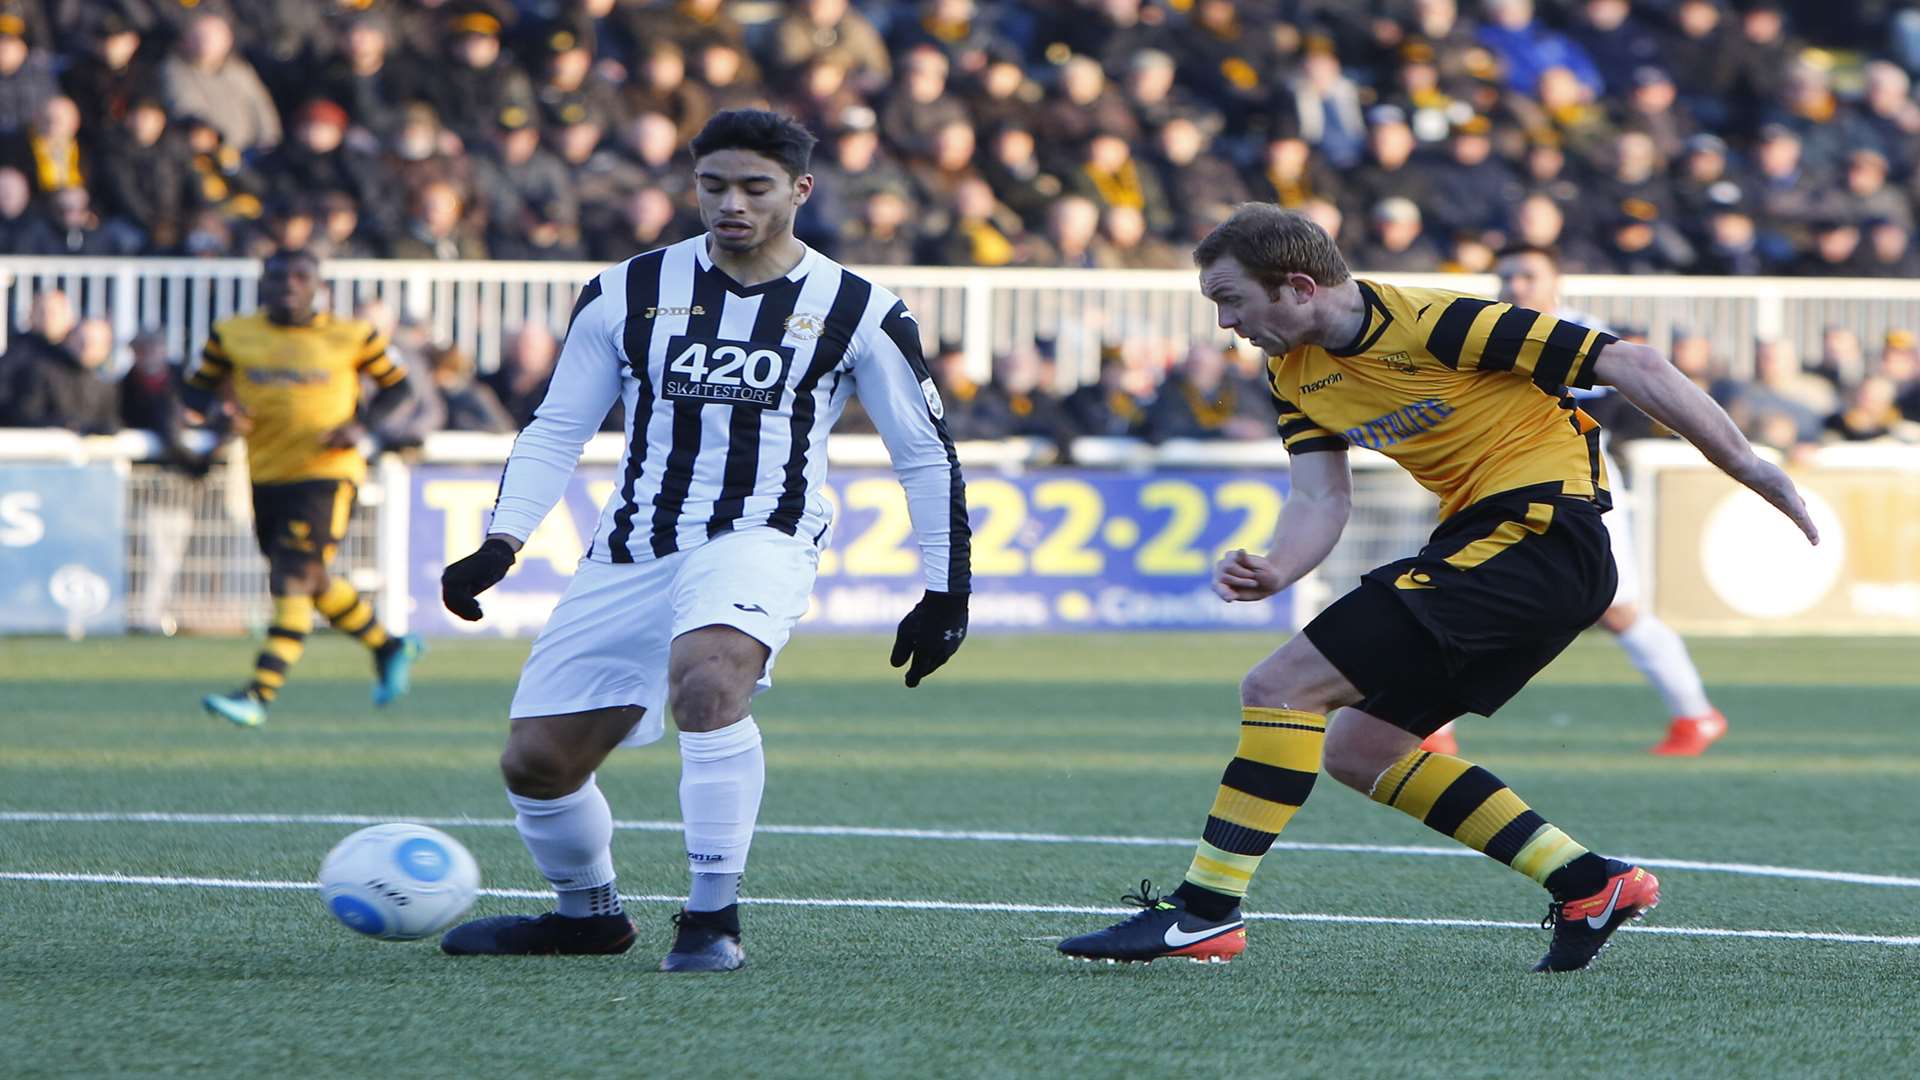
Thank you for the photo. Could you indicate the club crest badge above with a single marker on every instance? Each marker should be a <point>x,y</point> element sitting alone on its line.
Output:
<point>804,327</point>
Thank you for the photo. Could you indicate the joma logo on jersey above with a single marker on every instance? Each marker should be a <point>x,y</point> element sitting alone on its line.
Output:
<point>1401,362</point>
<point>1400,424</point>
<point>667,312</point>
<point>1320,384</point>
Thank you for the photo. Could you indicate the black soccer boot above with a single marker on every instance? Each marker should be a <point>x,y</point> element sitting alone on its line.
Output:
<point>551,934</point>
<point>706,941</point>
<point>1164,928</point>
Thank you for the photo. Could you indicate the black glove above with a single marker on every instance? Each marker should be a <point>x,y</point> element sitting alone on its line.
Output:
<point>930,634</point>
<point>473,575</point>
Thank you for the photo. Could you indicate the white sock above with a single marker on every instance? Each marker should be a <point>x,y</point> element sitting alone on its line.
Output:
<point>722,774</point>
<point>1662,657</point>
<point>571,841</point>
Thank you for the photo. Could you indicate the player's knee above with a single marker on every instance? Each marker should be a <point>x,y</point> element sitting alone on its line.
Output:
<point>1619,617</point>
<point>1359,748</point>
<point>708,697</point>
<point>1352,766</point>
<point>539,768</point>
<point>1272,684</point>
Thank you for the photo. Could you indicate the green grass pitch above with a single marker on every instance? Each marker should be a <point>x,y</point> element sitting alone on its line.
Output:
<point>1095,736</point>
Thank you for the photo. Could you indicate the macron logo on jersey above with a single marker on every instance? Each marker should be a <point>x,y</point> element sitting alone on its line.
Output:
<point>1400,424</point>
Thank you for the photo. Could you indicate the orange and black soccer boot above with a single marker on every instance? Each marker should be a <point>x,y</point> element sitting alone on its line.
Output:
<point>1582,926</point>
<point>1163,929</point>
<point>1687,736</point>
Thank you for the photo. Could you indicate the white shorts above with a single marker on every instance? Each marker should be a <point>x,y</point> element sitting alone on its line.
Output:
<point>606,643</point>
<point>1620,528</point>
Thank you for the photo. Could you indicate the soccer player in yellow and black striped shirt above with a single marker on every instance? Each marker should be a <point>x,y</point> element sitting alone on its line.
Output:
<point>293,375</point>
<point>1468,395</point>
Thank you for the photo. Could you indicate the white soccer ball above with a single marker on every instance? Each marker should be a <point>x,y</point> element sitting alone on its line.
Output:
<point>398,882</point>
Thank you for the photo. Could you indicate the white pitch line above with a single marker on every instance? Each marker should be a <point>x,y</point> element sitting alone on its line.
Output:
<point>170,818</point>
<point>973,907</point>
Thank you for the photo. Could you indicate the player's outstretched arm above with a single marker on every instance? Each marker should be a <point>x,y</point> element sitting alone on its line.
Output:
<point>1658,389</point>
<point>1319,500</point>
<point>891,378</point>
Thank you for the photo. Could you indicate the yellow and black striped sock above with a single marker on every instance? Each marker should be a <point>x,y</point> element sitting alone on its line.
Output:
<point>286,640</point>
<point>1471,805</point>
<point>1271,774</point>
<point>350,613</point>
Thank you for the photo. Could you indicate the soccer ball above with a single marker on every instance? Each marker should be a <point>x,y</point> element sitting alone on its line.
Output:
<point>398,882</point>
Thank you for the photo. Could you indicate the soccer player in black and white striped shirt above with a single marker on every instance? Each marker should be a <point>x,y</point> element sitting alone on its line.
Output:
<point>733,354</point>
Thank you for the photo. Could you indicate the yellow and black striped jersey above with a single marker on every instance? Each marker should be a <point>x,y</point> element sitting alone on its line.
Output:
<point>296,383</point>
<point>1468,395</point>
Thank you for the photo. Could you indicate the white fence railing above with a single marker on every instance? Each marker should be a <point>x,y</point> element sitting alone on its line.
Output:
<point>476,304</point>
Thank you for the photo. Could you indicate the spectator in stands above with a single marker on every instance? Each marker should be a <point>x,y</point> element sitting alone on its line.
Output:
<point>1899,361</point>
<point>1692,355</point>
<point>971,413</point>
<point>1019,178</point>
<point>1002,96</point>
<point>78,231</point>
<point>436,227</point>
<point>26,76</point>
<point>1123,230</point>
<point>1827,126</point>
<point>1396,240</point>
<point>1151,91</point>
<point>831,29</point>
<point>1703,184</point>
<point>1615,39</point>
<point>883,235</point>
<point>919,105</point>
<point>1890,113</point>
<point>48,150</point>
<point>205,78</point>
<point>1763,53</point>
<point>1293,174</point>
<point>1526,48</point>
<point>1871,412</point>
<point>1390,170</point>
<point>1019,393</point>
<point>1865,195</point>
<point>1472,191</point>
<point>475,83</point>
<point>661,85</point>
<point>1782,389</point>
<point>731,79</point>
<point>145,174</point>
<point>1835,251</point>
<point>1653,109</point>
<point>650,145</point>
<point>470,404</point>
<point>819,93</point>
<point>338,235</point>
<point>150,400</point>
<point>365,79</point>
<point>853,167</point>
<point>110,74</point>
<point>948,163</point>
<point>317,159</point>
<point>526,366</point>
<point>1789,193</point>
<point>1640,239</point>
<point>1733,246</point>
<point>1083,105</point>
<point>1108,407</point>
<point>1201,400</point>
<point>1199,185</point>
<point>643,219</point>
<point>1110,176</point>
<point>566,94</point>
<point>1638,174</point>
<point>1889,251</point>
<point>63,387</point>
<point>1326,105</point>
<point>981,232</point>
<point>50,319</point>
<point>693,24</point>
<point>20,228</point>
<point>1538,223</point>
<point>1842,359</point>
<point>519,180</point>
<point>599,171</point>
<point>1073,224</point>
<point>1703,56</point>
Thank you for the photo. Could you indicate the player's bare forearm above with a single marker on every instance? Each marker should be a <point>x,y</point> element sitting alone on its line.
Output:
<point>1658,389</point>
<point>1310,525</point>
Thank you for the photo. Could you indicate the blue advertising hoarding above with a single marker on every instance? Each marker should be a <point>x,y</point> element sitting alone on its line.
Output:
<point>1058,550</point>
<point>62,549</point>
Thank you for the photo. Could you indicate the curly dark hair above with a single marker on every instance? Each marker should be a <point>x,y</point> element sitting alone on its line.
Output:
<point>768,134</point>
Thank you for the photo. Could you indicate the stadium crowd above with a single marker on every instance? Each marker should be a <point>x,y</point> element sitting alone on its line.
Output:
<point>1631,136</point>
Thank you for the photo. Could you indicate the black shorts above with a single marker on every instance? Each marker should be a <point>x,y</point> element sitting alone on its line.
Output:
<point>1501,588</point>
<point>306,517</point>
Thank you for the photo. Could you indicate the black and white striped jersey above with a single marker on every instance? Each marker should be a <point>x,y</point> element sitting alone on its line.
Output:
<point>730,391</point>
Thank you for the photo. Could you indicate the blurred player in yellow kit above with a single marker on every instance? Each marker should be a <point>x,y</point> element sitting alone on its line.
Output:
<point>293,375</point>
<point>1471,397</point>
